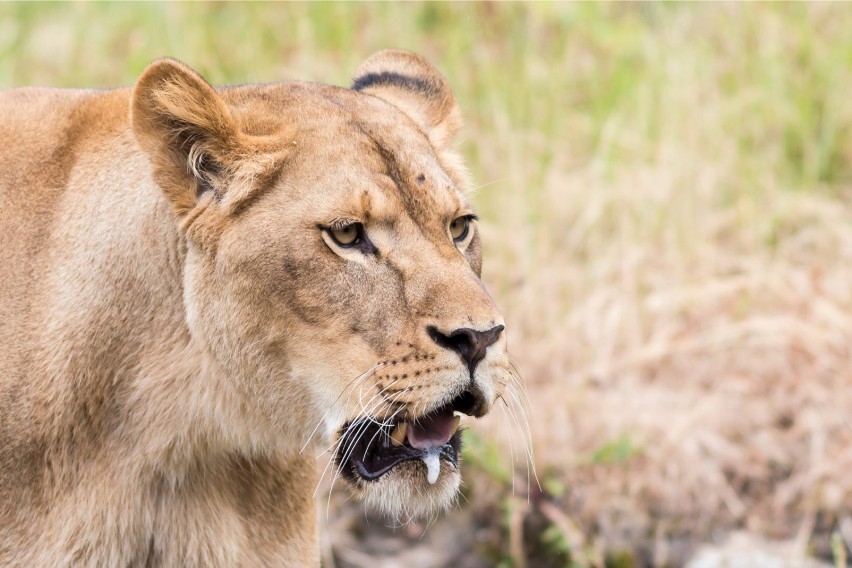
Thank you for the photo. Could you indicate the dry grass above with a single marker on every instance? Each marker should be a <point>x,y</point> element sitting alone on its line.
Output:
<point>667,222</point>
<point>679,293</point>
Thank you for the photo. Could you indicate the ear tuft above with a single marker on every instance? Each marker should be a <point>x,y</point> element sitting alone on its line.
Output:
<point>413,85</point>
<point>185,127</point>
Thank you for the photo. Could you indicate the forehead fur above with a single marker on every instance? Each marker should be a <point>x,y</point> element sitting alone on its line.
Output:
<point>387,161</point>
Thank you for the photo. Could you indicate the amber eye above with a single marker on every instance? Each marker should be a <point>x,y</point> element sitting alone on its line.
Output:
<point>459,228</point>
<point>348,235</point>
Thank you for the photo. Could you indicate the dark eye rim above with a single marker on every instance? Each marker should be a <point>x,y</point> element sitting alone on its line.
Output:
<point>468,219</point>
<point>359,236</point>
<point>361,242</point>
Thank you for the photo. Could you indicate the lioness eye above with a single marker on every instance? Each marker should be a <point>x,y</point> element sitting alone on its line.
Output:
<point>348,235</point>
<point>459,228</point>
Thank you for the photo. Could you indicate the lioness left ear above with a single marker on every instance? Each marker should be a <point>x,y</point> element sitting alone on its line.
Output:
<point>414,86</point>
<point>186,129</point>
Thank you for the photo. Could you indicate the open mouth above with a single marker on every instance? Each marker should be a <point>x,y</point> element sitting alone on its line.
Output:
<point>370,448</point>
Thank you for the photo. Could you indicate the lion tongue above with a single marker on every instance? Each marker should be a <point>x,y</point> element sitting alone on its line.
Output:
<point>433,430</point>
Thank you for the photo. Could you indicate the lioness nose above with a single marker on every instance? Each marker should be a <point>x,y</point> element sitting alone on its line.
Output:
<point>470,344</point>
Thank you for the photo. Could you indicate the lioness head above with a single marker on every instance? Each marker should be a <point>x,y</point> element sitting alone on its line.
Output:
<point>333,266</point>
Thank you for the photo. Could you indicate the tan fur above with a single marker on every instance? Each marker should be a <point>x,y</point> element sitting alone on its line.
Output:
<point>176,328</point>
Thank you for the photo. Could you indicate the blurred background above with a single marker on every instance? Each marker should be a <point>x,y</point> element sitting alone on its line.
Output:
<point>666,202</point>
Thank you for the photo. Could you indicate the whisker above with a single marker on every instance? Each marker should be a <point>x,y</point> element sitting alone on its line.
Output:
<point>529,443</point>
<point>517,377</point>
<point>512,391</point>
<point>363,413</point>
<point>526,438</point>
<point>358,381</point>
<point>516,386</point>
<point>366,375</point>
<point>505,410</point>
<point>514,417</point>
<point>474,190</point>
<point>352,438</point>
<point>366,420</point>
<point>328,499</point>
<point>349,451</point>
<point>355,438</point>
<point>380,430</point>
<point>336,446</point>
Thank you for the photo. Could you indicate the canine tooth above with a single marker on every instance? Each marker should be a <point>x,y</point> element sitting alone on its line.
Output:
<point>456,421</point>
<point>398,434</point>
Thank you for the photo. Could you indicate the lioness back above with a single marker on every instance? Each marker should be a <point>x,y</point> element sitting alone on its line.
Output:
<point>203,288</point>
<point>42,131</point>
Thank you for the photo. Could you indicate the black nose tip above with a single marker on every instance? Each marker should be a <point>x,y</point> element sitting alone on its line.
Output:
<point>468,343</point>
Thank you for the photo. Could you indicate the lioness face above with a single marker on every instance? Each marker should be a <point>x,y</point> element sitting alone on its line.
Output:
<point>333,267</point>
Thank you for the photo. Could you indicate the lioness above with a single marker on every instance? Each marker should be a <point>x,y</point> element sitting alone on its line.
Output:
<point>202,288</point>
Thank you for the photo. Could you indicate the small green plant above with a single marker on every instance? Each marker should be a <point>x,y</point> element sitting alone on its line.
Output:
<point>838,550</point>
<point>487,455</point>
<point>616,451</point>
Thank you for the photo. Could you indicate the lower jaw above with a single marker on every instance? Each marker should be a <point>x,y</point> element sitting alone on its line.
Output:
<point>370,461</point>
<point>404,494</point>
<point>430,458</point>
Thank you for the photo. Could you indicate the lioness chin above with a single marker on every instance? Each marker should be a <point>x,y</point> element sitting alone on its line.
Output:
<point>203,288</point>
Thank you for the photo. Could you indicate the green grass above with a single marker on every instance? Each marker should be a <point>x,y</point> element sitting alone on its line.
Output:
<point>552,73</point>
<point>666,217</point>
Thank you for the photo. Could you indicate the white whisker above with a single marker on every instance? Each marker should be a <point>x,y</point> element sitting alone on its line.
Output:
<point>380,430</point>
<point>360,378</point>
<point>505,409</point>
<point>528,437</point>
<point>336,447</point>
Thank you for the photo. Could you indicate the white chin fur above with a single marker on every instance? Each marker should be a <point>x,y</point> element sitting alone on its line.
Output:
<point>404,493</point>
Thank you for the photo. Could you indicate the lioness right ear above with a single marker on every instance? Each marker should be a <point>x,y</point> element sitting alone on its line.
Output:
<point>414,86</point>
<point>186,129</point>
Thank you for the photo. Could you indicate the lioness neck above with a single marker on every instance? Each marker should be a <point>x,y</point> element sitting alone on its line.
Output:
<point>116,421</point>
